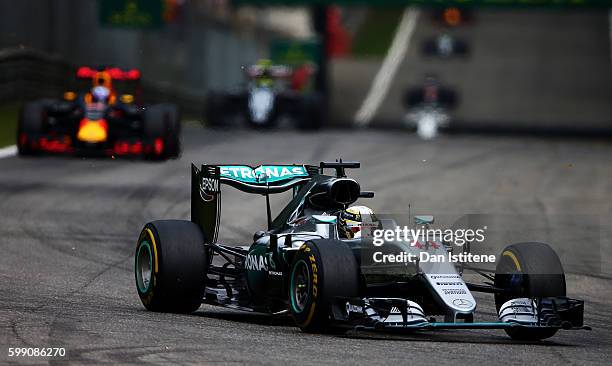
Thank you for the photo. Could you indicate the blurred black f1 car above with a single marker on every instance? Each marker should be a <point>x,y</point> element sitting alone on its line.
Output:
<point>311,263</point>
<point>272,93</point>
<point>429,107</point>
<point>104,120</point>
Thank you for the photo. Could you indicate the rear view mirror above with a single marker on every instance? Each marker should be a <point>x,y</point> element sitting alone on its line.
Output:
<point>127,98</point>
<point>70,96</point>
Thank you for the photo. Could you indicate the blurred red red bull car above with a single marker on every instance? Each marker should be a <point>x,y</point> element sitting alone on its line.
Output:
<point>101,121</point>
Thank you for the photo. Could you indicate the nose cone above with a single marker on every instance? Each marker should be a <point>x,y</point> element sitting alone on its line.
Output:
<point>92,131</point>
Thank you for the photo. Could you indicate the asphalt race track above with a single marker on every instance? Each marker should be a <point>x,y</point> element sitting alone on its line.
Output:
<point>68,228</point>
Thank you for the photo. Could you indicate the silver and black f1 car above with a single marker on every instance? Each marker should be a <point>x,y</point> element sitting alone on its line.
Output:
<point>302,265</point>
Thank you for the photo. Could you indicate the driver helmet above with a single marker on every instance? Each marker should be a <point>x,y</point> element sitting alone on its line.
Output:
<point>100,93</point>
<point>351,221</point>
<point>264,64</point>
<point>264,79</point>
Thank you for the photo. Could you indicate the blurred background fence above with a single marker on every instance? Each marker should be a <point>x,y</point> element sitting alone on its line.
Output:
<point>527,68</point>
<point>43,41</point>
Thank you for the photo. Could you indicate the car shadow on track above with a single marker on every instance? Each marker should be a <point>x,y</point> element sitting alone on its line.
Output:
<point>91,158</point>
<point>440,336</point>
<point>251,318</point>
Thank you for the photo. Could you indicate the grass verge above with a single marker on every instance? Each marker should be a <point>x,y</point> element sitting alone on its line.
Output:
<point>376,33</point>
<point>9,113</point>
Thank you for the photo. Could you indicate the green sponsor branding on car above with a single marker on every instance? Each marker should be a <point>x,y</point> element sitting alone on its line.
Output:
<point>263,173</point>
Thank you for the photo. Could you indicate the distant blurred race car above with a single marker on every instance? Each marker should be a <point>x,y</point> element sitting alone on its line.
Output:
<point>429,107</point>
<point>272,92</point>
<point>452,16</point>
<point>100,121</point>
<point>445,46</point>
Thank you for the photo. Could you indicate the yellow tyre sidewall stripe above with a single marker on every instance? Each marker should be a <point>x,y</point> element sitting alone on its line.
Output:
<point>154,248</point>
<point>310,315</point>
<point>514,259</point>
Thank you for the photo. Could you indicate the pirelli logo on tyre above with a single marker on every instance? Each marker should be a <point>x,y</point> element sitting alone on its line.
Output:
<point>315,277</point>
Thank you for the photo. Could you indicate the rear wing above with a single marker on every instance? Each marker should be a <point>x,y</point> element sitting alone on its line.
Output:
<point>275,71</point>
<point>264,179</point>
<point>85,72</point>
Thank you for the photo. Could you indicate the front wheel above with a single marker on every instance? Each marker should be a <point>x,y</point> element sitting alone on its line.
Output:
<point>162,125</point>
<point>173,131</point>
<point>321,270</point>
<point>529,270</point>
<point>170,266</point>
<point>31,122</point>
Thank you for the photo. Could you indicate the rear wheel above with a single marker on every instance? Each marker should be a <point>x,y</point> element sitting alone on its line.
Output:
<point>215,114</point>
<point>31,122</point>
<point>529,270</point>
<point>170,266</point>
<point>312,113</point>
<point>173,131</point>
<point>162,126</point>
<point>321,270</point>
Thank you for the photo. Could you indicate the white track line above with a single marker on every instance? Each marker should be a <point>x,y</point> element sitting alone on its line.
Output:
<point>394,57</point>
<point>5,152</point>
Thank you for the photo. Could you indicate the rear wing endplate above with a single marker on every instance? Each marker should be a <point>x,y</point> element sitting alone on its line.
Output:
<point>206,200</point>
<point>264,179</point>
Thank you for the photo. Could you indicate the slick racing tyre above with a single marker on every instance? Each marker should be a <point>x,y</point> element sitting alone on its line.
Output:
<point>162,123</point>
<point>173,131</point>
<point>170,266</point>
<point>312,113</point>
<point>321,270</point>
<point>529,270</point>
<point>215,111</point>
<point>31,123</point>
